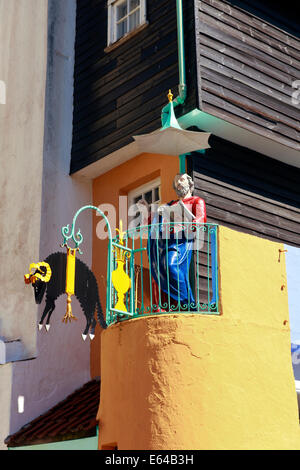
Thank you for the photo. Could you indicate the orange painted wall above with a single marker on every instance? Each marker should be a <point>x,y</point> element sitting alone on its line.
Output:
<point>106,189</point>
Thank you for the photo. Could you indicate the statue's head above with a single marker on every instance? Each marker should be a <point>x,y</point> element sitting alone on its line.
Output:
<point>183,185</point>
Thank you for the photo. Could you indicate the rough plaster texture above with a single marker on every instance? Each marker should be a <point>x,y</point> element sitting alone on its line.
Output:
<point>205,381</point>
<point>51,198</point>
<point>23,60</point>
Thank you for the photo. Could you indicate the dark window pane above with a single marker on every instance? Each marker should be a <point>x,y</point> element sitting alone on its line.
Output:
<point>121,29</point>
<point>148,197</point>
<point>133,4</point>
<point>134,20</point>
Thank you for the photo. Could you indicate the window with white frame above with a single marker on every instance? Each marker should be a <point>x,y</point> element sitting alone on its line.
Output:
<point>150,192</point>
<point>124,16</point>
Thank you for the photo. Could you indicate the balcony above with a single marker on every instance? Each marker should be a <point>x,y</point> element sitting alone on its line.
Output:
<point>161,268</point>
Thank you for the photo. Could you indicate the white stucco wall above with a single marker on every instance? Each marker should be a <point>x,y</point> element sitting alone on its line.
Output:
<point>23,60</point>
<point>48,198</point>
<point>23,43</point>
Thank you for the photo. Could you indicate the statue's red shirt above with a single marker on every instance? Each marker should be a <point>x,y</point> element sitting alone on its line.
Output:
<point>196,205</point>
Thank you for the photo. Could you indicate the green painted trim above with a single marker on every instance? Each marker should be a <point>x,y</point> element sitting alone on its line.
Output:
<point>200,119</point>
<point>171,120</point>
<point>182,87</point>
<point>87,443</point>
<point>182,163</point>
<point>181,51</point>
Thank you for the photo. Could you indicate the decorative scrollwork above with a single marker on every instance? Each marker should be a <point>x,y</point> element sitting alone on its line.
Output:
<point>184,306</point>
<point>174,308</point>
<point>212,229</point>
<point>67,234</point>
<point>164,306</point>
<point>77,237</point>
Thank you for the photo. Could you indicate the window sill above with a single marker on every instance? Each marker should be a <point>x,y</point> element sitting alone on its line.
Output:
<point>11,351</point>
<point>125,38</point>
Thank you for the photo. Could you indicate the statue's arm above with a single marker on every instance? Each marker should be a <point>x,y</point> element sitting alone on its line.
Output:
<point>200,211</point>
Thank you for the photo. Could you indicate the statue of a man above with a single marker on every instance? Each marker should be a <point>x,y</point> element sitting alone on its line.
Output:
<point>191,208</point>
<point>170,247</point>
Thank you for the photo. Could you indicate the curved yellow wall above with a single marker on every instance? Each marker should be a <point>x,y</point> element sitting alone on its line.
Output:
<point>207,382</point>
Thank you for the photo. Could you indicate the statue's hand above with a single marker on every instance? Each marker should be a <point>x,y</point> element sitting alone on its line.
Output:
<point>144,209</point>
<point>165,211</point>
<point>143,203</point>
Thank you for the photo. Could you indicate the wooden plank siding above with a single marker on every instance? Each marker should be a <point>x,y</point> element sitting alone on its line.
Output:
<point>120,92</point>
<point>248,191</point>
<point>246,68</point>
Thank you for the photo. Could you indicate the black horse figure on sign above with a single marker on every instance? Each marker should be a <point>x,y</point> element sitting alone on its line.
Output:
<point>86,290</point>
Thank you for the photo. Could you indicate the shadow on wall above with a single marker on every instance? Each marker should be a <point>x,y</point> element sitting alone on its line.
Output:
<point>61,366</point>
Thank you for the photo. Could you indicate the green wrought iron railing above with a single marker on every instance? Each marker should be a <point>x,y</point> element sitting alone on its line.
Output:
<point>170,268</point>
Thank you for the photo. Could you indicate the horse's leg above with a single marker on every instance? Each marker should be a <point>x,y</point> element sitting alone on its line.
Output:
<point>93,326</point>
<point>43,316</point>
<point>87,327</point>
<point>93,320</point>
<point>51,307</point>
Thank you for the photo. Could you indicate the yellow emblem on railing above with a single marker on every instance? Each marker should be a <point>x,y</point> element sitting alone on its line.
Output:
<point>120,279</point>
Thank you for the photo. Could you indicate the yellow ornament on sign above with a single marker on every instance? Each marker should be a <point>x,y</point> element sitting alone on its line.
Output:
<point>36,273</point>
<point>70,283</point>
<point>120,279</point>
